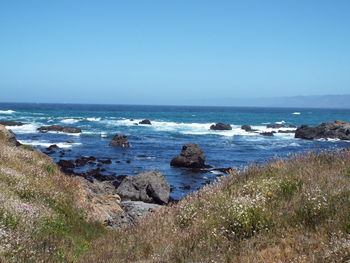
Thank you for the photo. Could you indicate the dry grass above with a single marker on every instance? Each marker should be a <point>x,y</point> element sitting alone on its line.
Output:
<point>38,219</point>
<point>286,211</point>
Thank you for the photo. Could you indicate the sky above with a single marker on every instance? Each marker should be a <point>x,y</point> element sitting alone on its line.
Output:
<point>172,52</point>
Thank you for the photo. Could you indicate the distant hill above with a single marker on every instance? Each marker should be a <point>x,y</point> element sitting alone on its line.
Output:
<point>324,101</point>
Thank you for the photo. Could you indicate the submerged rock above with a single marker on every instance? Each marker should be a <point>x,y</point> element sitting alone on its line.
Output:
<point>333,130</point>
<point>267,133</point>
<point>275,126</point>
<point>221,126</point>
<point>59,128</point>
<point>148,122</point>
<point>150,187</point>
<point>191,156</point>
<point>11,123</point>
<point>120,140</point>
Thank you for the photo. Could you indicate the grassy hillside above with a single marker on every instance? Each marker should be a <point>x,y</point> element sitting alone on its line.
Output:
<point>287,211</point>
<point>39,219</point>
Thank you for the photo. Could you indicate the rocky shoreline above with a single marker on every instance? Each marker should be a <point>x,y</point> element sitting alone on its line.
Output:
<point>148,191</point>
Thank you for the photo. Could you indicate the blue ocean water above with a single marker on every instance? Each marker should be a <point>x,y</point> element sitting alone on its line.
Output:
<point>153,146</point>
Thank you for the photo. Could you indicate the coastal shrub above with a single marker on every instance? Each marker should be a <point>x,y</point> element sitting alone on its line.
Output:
<point>295,210</point>
<point>39,221</point>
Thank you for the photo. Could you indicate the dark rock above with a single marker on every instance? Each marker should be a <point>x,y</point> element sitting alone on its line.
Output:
<point>131,119</point>
<point>275,126</point>
<point>59,128</point>
<point>191,156</point>
<point>67,166</point>
<point>148,122</point>
<point>150,187</point>
<point>185,187</point>
<point>267,133</point>
<point>53,146</point>
<point>333,130</point>
<point>221,126</point>
<point>69,141</point>
<point>11,123</point>
<point>120,140</point>
<point>248,128</point>
<point>286,131</point>
<point>128,161</point>
<point>107,161</point>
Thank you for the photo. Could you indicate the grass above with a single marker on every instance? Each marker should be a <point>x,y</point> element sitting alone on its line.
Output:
<point>296,210</point>
<point>39,218</point>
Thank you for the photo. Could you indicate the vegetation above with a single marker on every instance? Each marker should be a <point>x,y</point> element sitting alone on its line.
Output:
<point>286,211</point>
<point>39,221</point>
<point>296,210</point>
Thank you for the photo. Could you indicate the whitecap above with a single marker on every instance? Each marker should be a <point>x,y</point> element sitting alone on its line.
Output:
<point>70,121</point>
<point>296,113</point>
<point>26,128</point>
<point>7,111</point>
<point>44,143</point>
<point>93,119</point>
<point>280,122</point>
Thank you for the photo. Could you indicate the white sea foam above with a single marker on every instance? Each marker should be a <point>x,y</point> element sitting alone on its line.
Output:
<point>70,121</point>
<point>44,143</point>
<point>26,128</point>
<point>280,122</point>
<point>93,119</point>
<point>7,111</point>
<point>296,113</point>
<point>197,128</point>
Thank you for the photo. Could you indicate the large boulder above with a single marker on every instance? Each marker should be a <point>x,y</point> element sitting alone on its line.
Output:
<point>221,126</point>
<point>120,140</point>
<point>191,156</point>
<point>134,210</point>
<point>8,136</point>
<point>150,187</point>
<point>11,123</point>
<point>100,203</point>
<point>333,130</point>
<point>148,122</point>
<point>59,128</point>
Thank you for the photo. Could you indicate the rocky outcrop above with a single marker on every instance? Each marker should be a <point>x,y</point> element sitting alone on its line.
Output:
<point>248,128</point>
<point>221,126</point>
<point>191,156</point>
<point>333,130</point>
<point>150,187</point>
<point>148,122</point>
<point>100,203</point>
<point>136,209</point>
<point>8,136</point>
<point>266,133</point>
<point>275,126</point>
<point>11,123</point>
<point>120,140</point>
<point>59,128</point>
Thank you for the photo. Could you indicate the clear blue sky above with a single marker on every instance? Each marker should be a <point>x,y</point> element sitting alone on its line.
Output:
<point>168,52</point>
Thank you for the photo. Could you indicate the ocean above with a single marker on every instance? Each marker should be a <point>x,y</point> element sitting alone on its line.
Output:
<point>153,146</point>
